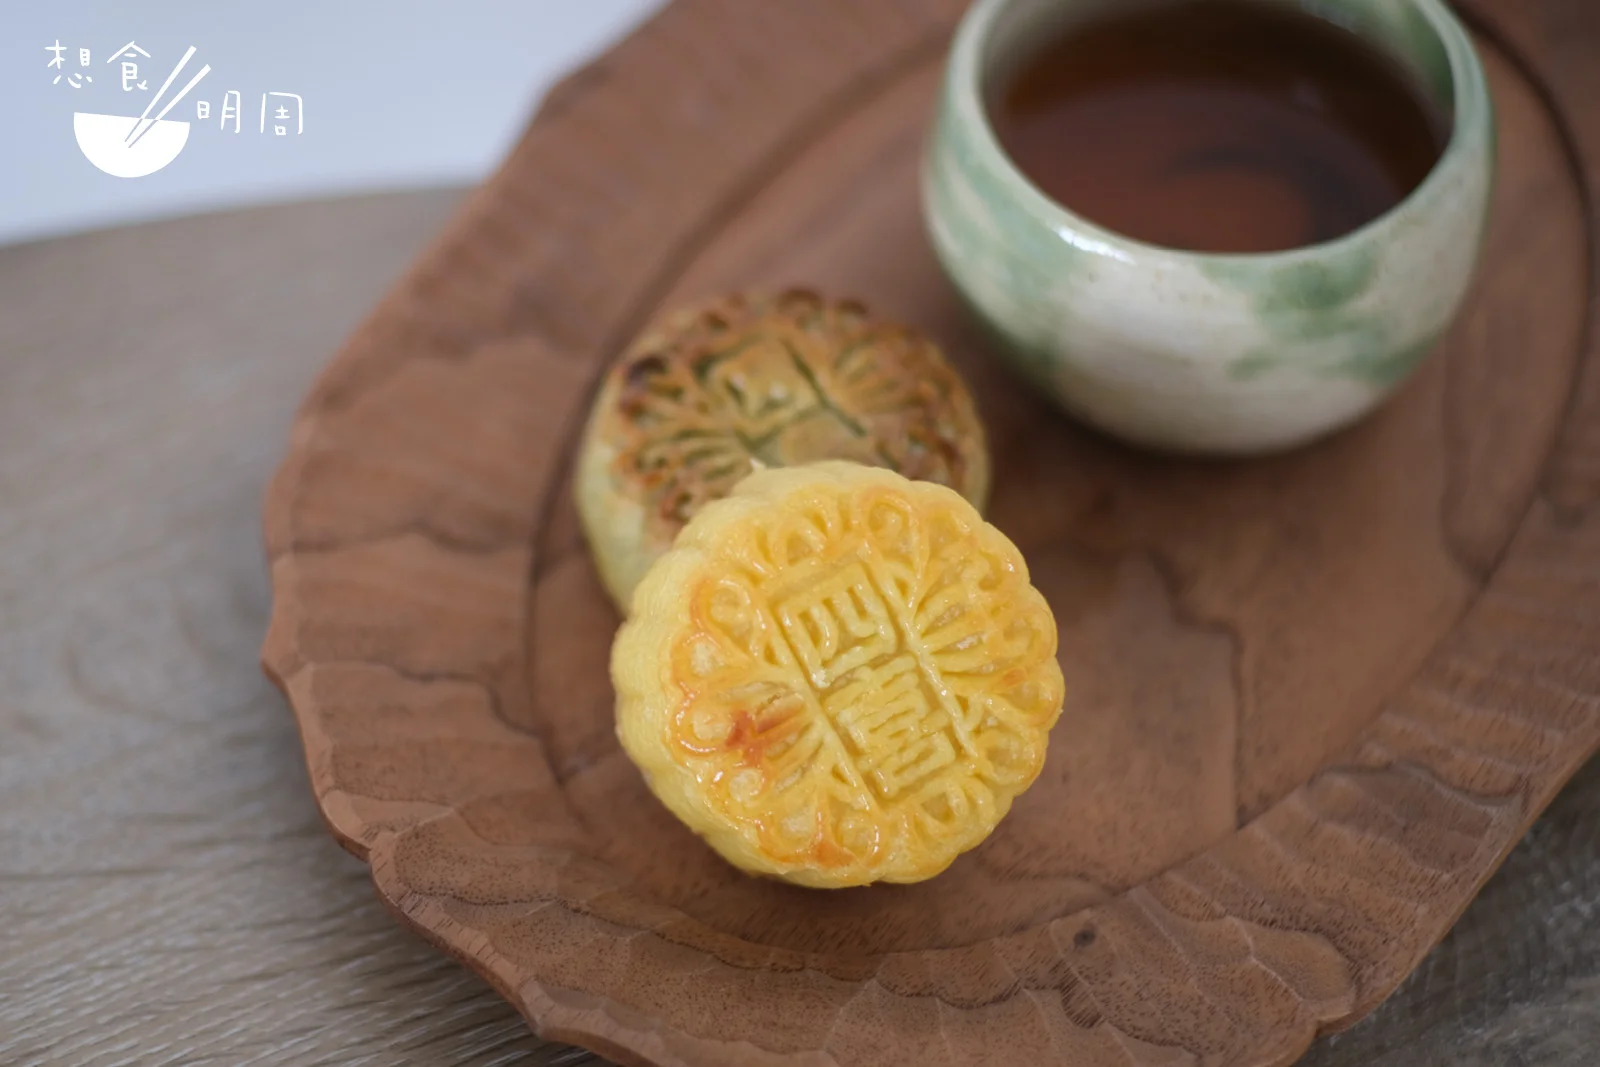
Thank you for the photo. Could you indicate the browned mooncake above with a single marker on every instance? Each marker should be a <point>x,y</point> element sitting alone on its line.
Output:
<point>707,395</point>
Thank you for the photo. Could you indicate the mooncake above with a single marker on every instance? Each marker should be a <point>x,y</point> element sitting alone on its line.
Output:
<point>709,394</point>
<point>838,676</point>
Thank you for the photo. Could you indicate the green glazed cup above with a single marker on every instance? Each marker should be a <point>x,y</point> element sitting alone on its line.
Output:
<point>1188,352</point>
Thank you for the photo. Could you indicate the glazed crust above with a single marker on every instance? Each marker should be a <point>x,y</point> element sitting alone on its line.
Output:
<point>709,394</point>
<point>838,676</point>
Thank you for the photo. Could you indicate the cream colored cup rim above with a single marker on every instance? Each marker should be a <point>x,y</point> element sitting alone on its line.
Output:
<point>1472,112</point>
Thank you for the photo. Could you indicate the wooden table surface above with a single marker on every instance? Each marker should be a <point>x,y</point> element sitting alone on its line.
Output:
<point>167,892</point>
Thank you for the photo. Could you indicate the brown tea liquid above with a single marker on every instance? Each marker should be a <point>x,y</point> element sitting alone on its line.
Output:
<point>1220,126</point>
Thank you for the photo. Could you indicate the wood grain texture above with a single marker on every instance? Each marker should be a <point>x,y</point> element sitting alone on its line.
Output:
<point>1316,699</point>
<point>167,894</point>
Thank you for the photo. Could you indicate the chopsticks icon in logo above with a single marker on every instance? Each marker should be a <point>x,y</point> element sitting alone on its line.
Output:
<point>139,128</point>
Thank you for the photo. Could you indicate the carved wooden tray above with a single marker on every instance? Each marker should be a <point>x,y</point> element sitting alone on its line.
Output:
<point>1313,700</point>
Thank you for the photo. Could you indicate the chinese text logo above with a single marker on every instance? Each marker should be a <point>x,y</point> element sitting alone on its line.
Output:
<point>132,146</point>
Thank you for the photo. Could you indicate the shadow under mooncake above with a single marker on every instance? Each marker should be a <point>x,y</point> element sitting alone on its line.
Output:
<point>838,676</point>
<point>707,395</point>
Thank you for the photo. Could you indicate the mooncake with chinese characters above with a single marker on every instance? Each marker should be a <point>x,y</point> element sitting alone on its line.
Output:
<point>707,395</point>
<point>838,676</point>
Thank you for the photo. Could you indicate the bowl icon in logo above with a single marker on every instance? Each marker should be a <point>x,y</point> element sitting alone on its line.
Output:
<point>105,142</point>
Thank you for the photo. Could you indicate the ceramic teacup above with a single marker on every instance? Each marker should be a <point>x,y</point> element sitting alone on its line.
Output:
<point>1194,352</point>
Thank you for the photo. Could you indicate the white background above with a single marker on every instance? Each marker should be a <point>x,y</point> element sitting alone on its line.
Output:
<point>398,94</point>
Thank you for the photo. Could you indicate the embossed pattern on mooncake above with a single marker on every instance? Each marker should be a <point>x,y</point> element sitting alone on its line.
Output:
<point>839,676</point>
<point>708,395</point>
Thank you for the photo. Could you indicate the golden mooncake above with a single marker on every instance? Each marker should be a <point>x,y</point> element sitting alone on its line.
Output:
<point>707,395</point>
<point>838,676</point>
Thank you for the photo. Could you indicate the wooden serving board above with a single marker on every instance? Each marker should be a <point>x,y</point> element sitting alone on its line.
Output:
<point>1313,700</point>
